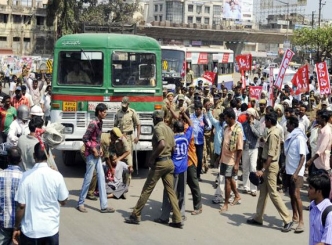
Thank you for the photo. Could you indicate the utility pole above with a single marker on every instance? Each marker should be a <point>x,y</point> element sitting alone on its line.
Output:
<point>312,19</point>
<point>319,12</point>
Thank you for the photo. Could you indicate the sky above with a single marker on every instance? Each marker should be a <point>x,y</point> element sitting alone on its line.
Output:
<point>313,5</point>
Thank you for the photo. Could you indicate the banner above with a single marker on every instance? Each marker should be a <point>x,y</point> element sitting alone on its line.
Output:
<point>183,69</point>
<point>244,62</point>
<point>210,76</point>
<point>301,80</point>
<point>270,101</point>
<point>255,92</point>
<point>323,78</point>
<point>283,67</point>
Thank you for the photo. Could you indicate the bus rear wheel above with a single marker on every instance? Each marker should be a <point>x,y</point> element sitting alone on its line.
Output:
<point>68,157</point>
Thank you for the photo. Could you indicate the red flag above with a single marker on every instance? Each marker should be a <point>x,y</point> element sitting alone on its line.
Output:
<point>244,62</point>
<point>255,92</point>
<point>283,67</point>
<point>301,80</point>
<point>210,76</point>
<point>323,78</point>
<point>243,79</point>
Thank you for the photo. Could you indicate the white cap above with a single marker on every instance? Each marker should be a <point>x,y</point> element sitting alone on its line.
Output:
<point>36,111</point>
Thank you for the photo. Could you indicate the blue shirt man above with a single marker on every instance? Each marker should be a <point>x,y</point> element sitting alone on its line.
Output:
<point>180,156</point>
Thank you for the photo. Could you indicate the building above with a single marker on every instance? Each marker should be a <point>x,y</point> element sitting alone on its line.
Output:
<point>23,29</point>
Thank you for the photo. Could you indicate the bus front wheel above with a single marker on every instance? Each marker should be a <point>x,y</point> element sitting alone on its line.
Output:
<point>68,157</point>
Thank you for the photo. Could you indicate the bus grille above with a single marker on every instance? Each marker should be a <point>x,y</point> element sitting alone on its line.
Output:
<point>80,119</point>
<point>108,122</point>
<point>145,116</point>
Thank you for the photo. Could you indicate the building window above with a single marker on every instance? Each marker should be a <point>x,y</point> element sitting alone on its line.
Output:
<point>160,18</point>
<point>27,19</point>
<point>3,39</point>
<point>26,39</point>
<point>155,8</point>
<point>216,14</point>
<point>16,39</point>
<point>156,17</point>
<point>198,9</point>
<point>3,18</point>
<point>190,8</point>
<point>206,21</point>
<point>40,20</point>
<point>174,11</point>
<point>17,19</point>
<point>207,10</point>
<point>198,20</point>
<point>190,19</point>
<point>160,7</point>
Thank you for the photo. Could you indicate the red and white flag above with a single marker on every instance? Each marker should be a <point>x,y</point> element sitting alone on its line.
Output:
<point>255,92</point>
<point>183,70</point>
<point>210,76</point>
<point>283,67</point>
<point>244,62</point>
<point>270,101</point>
<point>323,78</point>
<point>301,80</point>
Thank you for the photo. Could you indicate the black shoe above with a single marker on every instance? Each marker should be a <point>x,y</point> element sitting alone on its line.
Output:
<point>93,198</point>
<point>161,221</point>
<point>124,196</point>
<point>132,220</point>
<point>176,225</point>
<point>253,222</point>
<point>287,227</point>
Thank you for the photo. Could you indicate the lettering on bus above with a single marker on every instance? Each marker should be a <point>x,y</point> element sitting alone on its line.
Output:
<point>71,43</point>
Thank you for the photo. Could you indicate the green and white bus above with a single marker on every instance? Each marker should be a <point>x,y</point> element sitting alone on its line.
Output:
<point>92,68</point>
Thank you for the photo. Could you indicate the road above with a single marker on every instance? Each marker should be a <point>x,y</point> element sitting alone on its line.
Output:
<point>209,227</point>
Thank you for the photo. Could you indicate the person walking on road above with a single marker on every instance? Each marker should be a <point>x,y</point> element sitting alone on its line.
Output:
<point>93,153</point>
<point>270,156</point>
<point>161,166</point>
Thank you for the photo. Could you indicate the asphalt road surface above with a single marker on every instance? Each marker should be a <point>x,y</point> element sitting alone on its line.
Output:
<point>207,228</point>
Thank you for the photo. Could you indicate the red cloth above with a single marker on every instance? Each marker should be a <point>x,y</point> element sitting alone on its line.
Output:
<point>242,118</point>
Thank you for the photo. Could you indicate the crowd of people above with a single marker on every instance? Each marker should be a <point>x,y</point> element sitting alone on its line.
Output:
<point>198,128</point>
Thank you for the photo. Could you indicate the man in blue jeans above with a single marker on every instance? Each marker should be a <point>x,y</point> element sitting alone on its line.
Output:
<point>93,153</point>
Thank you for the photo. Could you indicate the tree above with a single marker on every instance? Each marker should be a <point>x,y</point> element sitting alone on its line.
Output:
<point>69,15</point>
<point>318,40</point>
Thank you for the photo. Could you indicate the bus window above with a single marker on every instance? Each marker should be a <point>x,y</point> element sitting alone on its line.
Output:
<point>133,69</point>
<point>80,68</point>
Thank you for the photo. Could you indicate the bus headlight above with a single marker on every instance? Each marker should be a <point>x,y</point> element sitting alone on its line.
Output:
<point>146,130</point>
<point>69,128</point>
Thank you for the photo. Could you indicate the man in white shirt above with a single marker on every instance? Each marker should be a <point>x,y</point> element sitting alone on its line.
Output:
<point>38,212</point>
<point>295,149</point>
<point>303,118</point>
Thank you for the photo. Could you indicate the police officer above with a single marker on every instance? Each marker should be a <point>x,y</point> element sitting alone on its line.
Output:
<point>161,167</point>
<point>126,119</point>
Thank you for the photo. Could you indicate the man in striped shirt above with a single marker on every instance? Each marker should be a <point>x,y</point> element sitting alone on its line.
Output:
<point>318,193</point>
<point>9,181</point>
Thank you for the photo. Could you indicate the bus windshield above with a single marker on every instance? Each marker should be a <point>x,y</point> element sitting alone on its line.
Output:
<point>130,69</point>
<point>172,62</point>
<point>80,68</point>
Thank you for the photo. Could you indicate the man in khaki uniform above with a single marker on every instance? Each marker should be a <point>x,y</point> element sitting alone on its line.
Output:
<point>161,166</point>
<point>169,102</point>
<point>126,119</point>
<point>270,155</point>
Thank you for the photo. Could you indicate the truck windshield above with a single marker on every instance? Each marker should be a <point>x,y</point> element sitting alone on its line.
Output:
<point>80,68</point>
<point>130,69</point>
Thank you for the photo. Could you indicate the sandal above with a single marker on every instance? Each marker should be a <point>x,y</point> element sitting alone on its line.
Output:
<point>196,212</point>
<point>81,209</point>
<point>299,229</point>
<point>236,201</point>
<point>223,209</point>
